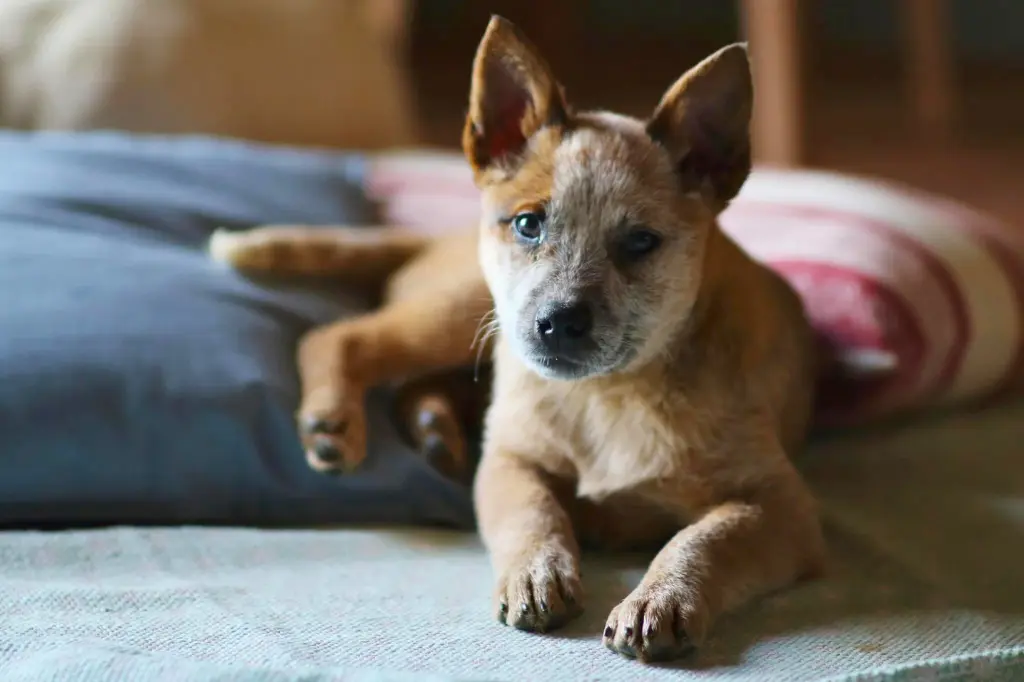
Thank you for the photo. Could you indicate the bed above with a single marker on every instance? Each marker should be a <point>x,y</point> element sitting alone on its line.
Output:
<point>160,522</point>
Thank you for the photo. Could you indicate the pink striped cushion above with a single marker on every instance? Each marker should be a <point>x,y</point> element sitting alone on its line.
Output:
<point>924,295</point>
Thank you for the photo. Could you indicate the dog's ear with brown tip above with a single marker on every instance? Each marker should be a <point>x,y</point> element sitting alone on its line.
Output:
<point>514,94</point>
<point>704,122</point>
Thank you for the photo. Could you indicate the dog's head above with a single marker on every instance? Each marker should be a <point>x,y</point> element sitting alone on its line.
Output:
<point>594,225</point>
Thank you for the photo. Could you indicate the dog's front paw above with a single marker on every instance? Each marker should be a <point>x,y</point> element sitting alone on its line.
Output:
<point>333,434</point>
<point>659,622</point>
<point>542,592</point>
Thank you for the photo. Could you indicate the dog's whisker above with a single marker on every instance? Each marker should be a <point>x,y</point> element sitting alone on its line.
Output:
<point>491,333</point>
<point>486,329</point>
<point>487,321</point>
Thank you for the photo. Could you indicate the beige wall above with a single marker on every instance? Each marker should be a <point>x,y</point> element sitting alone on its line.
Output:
<point>317,72</point>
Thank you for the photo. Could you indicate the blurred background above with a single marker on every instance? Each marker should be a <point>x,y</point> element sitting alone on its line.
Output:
<point>924,91</point>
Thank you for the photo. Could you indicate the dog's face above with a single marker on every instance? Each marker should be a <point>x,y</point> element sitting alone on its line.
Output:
<point>594,225</point>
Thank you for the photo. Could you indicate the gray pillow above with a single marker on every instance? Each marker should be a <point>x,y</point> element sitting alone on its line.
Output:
<point>139,381</point>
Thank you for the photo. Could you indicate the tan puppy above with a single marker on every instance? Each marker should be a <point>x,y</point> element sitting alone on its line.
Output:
<point>651,380</point>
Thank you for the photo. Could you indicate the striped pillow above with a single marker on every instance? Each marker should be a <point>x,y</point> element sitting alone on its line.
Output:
<point>921,299</point>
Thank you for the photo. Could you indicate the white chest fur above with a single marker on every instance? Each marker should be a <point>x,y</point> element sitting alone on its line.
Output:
<point>620,438</point>
<point>613,434</point>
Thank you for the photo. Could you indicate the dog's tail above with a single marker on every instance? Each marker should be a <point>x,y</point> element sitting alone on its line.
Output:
<point>356,254</point>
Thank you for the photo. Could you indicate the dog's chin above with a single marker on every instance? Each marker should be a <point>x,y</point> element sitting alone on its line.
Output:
<point>567,369</point>
<point>559,368</point>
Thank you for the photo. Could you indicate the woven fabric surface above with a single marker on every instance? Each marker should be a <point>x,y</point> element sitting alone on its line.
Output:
<point>925,522</point>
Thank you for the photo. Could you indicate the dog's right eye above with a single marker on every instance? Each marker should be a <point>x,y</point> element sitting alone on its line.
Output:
<point>528,227</point>
<point>637,244</point>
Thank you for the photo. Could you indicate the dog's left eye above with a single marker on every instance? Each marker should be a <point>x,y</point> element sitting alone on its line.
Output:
<point>639,243</point>
<point>529,227</point>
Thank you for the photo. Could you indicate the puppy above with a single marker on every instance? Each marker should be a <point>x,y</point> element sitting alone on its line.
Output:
<point>651,381</point>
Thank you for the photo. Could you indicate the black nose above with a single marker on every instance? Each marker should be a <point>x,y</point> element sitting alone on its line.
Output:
<point>564,328</point>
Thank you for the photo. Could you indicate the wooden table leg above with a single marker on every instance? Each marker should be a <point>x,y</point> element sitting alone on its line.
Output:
<point>930,64</point>
<point>772,28</point>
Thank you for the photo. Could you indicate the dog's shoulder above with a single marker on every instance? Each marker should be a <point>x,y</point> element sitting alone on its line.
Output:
<point>750,355</point>
<point>757,352</point>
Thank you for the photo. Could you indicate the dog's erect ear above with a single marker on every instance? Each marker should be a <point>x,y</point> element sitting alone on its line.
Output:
<point>513,95</point>
<point>704,122</point>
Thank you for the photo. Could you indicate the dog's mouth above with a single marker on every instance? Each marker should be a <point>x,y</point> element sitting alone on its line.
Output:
<point>552,366</point>
<point>558,367</point>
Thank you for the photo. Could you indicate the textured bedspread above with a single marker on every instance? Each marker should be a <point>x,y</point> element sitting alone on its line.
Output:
<point>926,524</point>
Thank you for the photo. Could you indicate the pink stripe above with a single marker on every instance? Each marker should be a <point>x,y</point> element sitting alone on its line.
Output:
<point>773,237</point>
<point>842,401</point>
<point>387,180</point>
<point>942,274</point>
<point>440,214</point>
<point>413,194</point>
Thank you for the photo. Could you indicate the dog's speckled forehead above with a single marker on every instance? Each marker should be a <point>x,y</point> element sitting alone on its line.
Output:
<point>608,155</point>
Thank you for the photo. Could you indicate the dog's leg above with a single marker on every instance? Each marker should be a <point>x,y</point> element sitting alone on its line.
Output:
<point>734,552</point>
<point>529,537</point>
<point>339,362</point>
<point>442,414</point>
<point>435,429</point>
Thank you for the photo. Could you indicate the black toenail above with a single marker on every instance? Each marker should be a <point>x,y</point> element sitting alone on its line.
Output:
<point>503,607</point>
<point>434,448</point>
<point>315,424</point>
<point>325,451</point>
<point>608,631</point>
<point>524,608</point>
<point>629,632</point>
<point>543,606</point>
